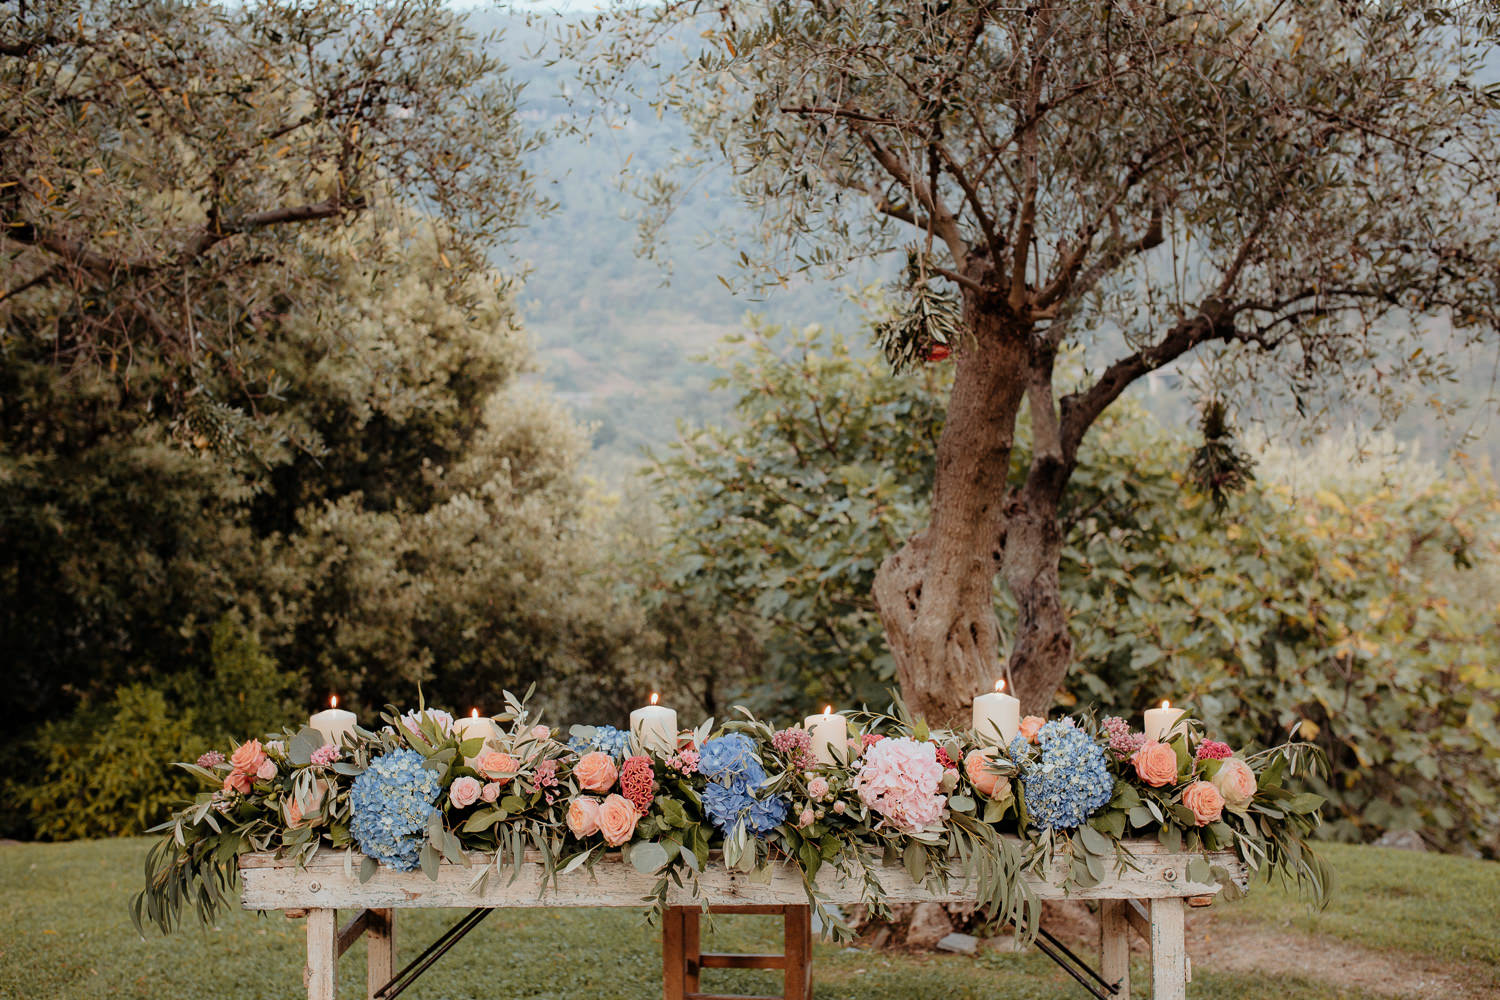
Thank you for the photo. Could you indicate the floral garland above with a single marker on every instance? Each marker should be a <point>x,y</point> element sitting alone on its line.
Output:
<point>944,805</point>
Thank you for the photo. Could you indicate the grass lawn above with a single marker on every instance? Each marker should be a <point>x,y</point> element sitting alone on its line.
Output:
<point>64,933</point>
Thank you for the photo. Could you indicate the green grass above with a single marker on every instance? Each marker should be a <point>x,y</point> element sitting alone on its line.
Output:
<point>64,934</point>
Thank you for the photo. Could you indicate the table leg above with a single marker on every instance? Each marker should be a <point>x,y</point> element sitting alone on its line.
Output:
<point>692,949</point>
<point>322,972</point>
<point>797,926</point>
<point>1114,945</point>
<point>1168,950</point>
<point>380,944</point>
<point>673,961</point>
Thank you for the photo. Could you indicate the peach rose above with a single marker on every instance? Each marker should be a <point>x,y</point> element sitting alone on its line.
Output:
<point>267,769</point>
<point>617,819</point>
<point>595,772</point>
<point>490,792</point>
<point>1205,802</point>
<point>464,792</point>
<point>306,809</point>
<point>583,816</point>
<point>1236,782</point>
<point>247,757</point>
<point>238,781</point>
<point>985,781</point>
<point>1030,725</point>
<point>1155,763</point>
<point>500,767</point>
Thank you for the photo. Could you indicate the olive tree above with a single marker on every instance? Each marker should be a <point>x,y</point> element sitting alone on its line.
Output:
<point>1299,198</point>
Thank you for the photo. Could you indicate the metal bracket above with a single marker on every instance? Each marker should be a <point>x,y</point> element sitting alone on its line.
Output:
<point>1075,966</point>
<point>408,975</point>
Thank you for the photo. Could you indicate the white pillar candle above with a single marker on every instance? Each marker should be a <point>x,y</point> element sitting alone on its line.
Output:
<point>997,712</point>
<point>333,722</point>
<point>654,727</point>
<point>475,727</point>
<point>829,730</point>
<point>1160,721</point>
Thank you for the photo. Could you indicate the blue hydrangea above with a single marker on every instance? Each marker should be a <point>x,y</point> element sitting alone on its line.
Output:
<point>1065,779</point>
<point>615,742</point>
<point>735,773</point>
<point>392,800</point>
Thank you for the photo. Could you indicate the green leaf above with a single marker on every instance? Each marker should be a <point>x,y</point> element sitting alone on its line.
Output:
<point>961,803</point>
<point>647,857</point>
<point>915,859</point>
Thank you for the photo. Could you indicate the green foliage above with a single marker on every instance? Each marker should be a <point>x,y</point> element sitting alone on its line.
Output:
<point>1362,607</point>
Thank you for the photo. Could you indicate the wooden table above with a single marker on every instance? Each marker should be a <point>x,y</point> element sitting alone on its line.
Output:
<point>1150,898</point>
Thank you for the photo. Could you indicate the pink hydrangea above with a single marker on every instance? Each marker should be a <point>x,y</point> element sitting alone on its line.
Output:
<point>900,779</point>
<point>325,755</point>
<point>1214,750</point>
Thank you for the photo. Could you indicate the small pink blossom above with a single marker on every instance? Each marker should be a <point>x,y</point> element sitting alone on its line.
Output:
<point>684,761</point>
<point>1214,750</point>
<point>464,792</point>
<point>818,788</point>
<point>267,770</point>
<point>325,755</point>
<point>490,792</point>
<point>545,775</point>
<point>211,760</point>
<point>540,733</point>
<point>839,808</point>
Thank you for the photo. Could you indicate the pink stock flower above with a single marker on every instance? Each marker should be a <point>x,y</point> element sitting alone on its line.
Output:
<point>900,778</point>
<point>211,760</point>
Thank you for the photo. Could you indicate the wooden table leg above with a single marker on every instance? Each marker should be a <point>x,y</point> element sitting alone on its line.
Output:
<point>1114,945</point>
<point>692,949</point>
<point>380,944</point>
<point>797,981</point>
<point>673,965</point>
<point>1168,950</point>
<point>322,971</point>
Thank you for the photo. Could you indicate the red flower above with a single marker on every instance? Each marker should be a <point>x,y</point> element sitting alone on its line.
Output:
<point>869,740</point>
<point>944,759</point>
<point>638,782</point>
<point>938,352</point>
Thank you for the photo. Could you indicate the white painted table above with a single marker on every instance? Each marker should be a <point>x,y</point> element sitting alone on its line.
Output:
<point>1149,898</point>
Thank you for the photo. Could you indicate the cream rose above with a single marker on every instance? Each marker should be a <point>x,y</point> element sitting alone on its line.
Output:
<point>1236,782</point>
<point>985,781</point>
<point>464,792</point>
<point>595,772</point>
<point>617,819</point>
<point>583,816</point>
<point>1205,802</point>
<point>1156,763</point>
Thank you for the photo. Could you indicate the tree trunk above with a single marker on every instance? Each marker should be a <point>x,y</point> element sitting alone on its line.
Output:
<point>1043,649</point>
<point>934,593</point>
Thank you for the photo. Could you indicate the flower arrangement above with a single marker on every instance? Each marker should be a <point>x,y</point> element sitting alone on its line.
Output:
<point>416,792</point>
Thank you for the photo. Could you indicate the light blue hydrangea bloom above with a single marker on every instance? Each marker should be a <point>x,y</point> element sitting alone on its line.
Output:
<point>392,801</point>
<point>615,742</point>
<point>735,773</point>
<point>1065,778</point>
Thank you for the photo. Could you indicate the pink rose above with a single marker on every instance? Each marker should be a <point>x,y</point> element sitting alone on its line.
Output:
<point>540,733</point>
<point>818,788</point>
<point>1155,763</point>
<point>839,808</point>
<point>583,816</point>
<point>267,769</point>
<point>490,792</point>
<point>237,781</point>
<point>1029,727</point>
<point>306,809</point>
<point>500,767</point>
<point>595,772</point>
<point>464,792</point>
<point>1205,802</point>
<point>247,757</point>
<point>806,819</point>
<point>985,781</point>
<point>617,819</point>
<point>1236,782</point>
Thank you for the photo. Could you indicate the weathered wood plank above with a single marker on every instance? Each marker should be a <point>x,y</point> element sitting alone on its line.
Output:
<point>322,971</point>
<point>380,955</point>
<point>1168,950</point>
<point>797,960</point>
<point>326,882</point>
<point>1114,945</point>
<point>673,957</point>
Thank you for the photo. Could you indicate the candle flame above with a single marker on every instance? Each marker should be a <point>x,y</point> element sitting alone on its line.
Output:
<point>1000,684</point>
<point>333,701</point>
<point>827,711</point>
<point>473,713</point>
<point>1166,704</point>
<point>653,697</point>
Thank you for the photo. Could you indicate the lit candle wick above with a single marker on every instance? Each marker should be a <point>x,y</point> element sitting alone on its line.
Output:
<point>653,697</point>
<point>1166,704</point>
<point>473,713</point>
<point>1000,684</point>
<point>333,701</point>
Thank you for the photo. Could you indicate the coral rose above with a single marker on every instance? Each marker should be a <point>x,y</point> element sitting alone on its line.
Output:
<point>1029,727</point>
<point>1236,782</point>
<point>306,809</point>
<point>1205,802</point>
<point>247,757</point>
<point>500,767</point>
<point>595,772</point>
<point>1155,763</point>
<point>583,816</point>
<point>238,781</point>
<point>617,819</point>
<point>985,781</point>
